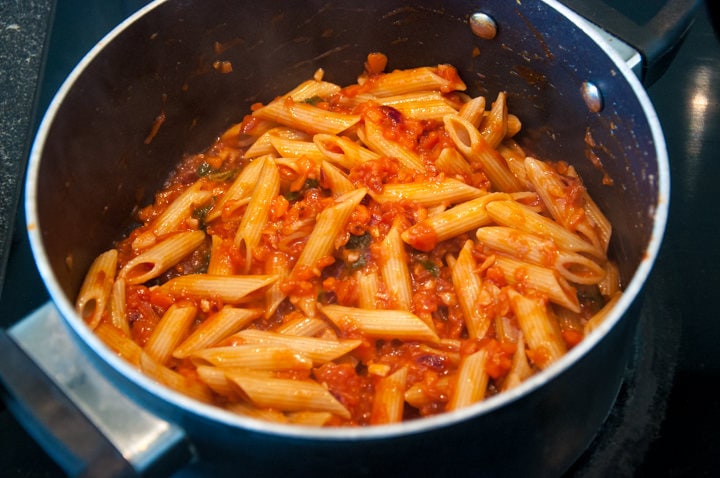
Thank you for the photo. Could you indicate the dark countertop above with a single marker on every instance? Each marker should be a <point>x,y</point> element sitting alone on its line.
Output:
<point>23,31</point>
<point>667,420</point>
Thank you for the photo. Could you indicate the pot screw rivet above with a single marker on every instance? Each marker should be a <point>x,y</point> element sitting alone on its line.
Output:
<point>592,96</point>
<point>483,26</point>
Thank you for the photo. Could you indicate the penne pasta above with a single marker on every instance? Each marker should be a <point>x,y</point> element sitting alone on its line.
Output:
<point>357,255</point>
<point>313,419</point>
<point>398,324</point>
<point>133,353</point>
<point>287,394</point>
<point>416,79</point>
<point>161,257</point>
<point>515,156</point>
<point>254,357</point>
<point>599,316</point>
<point>229,289</point>
<point>292,148</point>
<point>180,210</point>
<point>215,328</point>
<point>422,105</point>
<point>276,265</point>
<point>316,349</point>
<point>515,215</point>
<point>452,163</point>
<point>217,381</point>
<point>464,217</point>
<point>343,151</point>
<point>394,270</point>
<point>520,369</point>
<point>248,233</point>
<point>336,180</point>
<point>429,194</point>
<point>468,285</point>
<point>611,284</point>
<point>118,307</point>
<point>388,404</point>
<point>264,147</point>
<point>543,280</point>
<point>94,295</point>
<point>494,126</point>
<point>313,88</point>
<point>421,394</point>
<point>239,192</point>
<point>368,288</point>
<point>329,223</point>
<point>539,329</point>
<point>550,186</point>
<point>119,343</point>
<point>175,380</point>
<point>372,136</point>
<point>473,110</point>
<point>303,327</point>
<point>595,215</point>
<point>170,331</point>
<point>542,251</point>
<point>471,382</point>
<point>306,117</point>
<point>475,148</point>
<point>220,263</point>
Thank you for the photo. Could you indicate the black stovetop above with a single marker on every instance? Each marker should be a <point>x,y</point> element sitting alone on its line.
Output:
<point>666,419</point>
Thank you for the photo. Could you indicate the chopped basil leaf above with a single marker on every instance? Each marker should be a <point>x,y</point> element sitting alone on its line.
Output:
<point>204,169</point>
<point>295,195</point>
<point>224,176</point>
<point>313,100</point>
<point>358,264</point>
<point>292,195</point>
<point>358,242</point>
<point>201,213</point>
<point>430,266</point>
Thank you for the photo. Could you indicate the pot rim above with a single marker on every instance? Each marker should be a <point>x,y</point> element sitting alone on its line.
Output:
<point>216,414</point>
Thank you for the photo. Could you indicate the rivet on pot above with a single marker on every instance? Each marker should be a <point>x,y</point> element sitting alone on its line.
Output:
<point>483,26</point>
<point>592,96</point>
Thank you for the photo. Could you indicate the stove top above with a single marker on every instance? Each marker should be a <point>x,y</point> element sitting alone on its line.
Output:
<point>666,417</point>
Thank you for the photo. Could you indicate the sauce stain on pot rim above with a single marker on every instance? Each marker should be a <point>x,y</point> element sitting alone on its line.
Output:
<point>188,405</point>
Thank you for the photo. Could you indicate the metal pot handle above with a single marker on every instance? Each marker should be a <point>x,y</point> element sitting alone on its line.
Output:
<point>83,422</point>
<point>656,40</point>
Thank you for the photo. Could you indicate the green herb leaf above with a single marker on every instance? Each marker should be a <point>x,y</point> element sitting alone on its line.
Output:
<point>310,184</point>
<point>292,195</point>
<point>358,242</point>
<point>358,264</point>
<point>430,266</point>
<point>201,213</point>
<point>224,176</point>
<point>204,169</point>
<point>313,100</point>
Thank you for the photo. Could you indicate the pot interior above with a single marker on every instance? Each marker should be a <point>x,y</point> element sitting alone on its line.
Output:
<point>100,160</point>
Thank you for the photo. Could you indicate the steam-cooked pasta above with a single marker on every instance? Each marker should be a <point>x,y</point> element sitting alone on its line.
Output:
<point>378,252</point>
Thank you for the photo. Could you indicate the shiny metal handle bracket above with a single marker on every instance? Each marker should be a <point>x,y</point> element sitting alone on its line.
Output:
<point>656,38</point>
<point>84,423</point>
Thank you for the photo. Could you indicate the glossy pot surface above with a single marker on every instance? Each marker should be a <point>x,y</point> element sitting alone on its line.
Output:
<point>94,161</point>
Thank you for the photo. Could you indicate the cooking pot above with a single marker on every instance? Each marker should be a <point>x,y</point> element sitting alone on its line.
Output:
<point>148,93</point>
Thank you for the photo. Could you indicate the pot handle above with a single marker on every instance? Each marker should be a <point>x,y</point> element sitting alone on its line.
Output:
<point>656,39</point>
<point>81,420</point>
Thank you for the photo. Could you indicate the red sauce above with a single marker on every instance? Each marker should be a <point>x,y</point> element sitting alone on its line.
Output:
<point>353,379</point>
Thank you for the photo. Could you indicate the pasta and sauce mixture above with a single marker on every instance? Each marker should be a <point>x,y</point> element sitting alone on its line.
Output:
<point>359,255</point>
